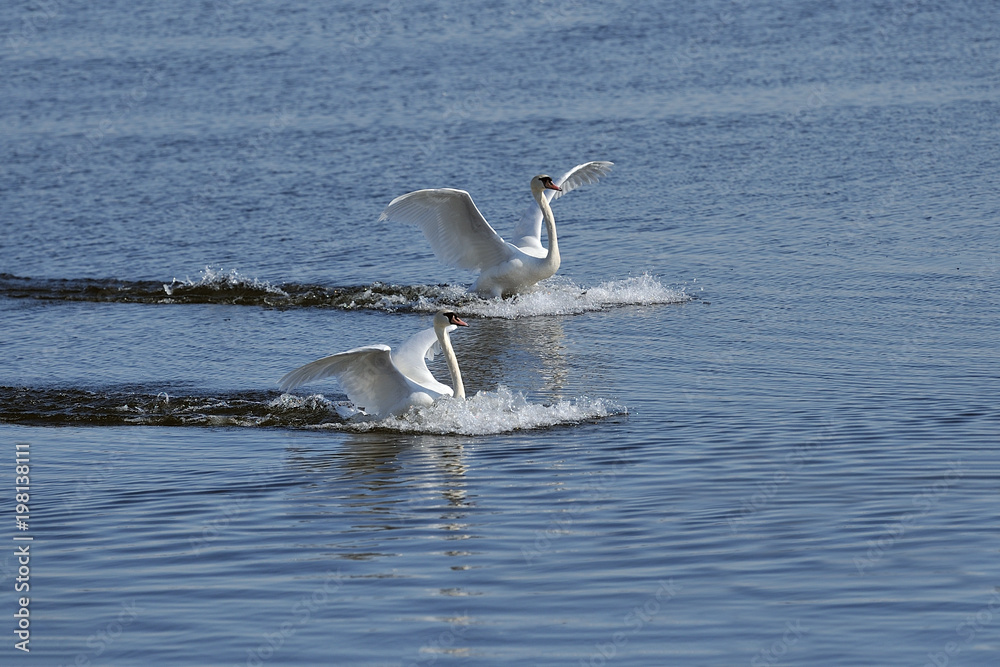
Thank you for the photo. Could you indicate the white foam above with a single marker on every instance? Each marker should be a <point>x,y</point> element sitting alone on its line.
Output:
<point>315,402</point>
<point>293,402</point>
<point>220,278</point>
<point>561,296</point>
<point>555,296</point>
<point>486,413</point>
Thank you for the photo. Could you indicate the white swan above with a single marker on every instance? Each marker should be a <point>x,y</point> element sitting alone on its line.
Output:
<point>384,382</point>
<point>461,237</point>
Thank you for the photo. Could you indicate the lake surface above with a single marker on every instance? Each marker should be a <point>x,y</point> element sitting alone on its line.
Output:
<point>753,420</point>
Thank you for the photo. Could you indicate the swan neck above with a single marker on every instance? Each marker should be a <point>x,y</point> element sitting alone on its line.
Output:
<point>449,355</point>
<point>552,255</point>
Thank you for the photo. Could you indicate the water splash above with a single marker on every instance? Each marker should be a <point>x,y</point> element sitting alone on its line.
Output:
<point>218,279</point>
<point>499,411</point>
<point>487,413</point>
<point>560,296</point>
<point>556,296</point>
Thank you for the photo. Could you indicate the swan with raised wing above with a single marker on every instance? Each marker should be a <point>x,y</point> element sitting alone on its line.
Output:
<point>385,382</point>
<point>461,237</point>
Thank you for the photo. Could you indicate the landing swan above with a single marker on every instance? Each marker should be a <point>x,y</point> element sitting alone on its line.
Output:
<point>461,237</point>
<point>385,382</point>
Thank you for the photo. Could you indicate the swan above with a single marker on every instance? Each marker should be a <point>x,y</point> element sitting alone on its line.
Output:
<point>461,237</point>
<point>385,382</point>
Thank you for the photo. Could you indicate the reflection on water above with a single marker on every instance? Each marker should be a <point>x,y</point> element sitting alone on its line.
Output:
<point>391,489</point>
<point>391,476</point>
<point>528,355</point>
<point>548,540</point>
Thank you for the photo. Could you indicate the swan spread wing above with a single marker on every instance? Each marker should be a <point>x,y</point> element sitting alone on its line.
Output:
<point>457,231</point>
<point>411,358</point>
<point>528,230</point>
<point>366,374</point>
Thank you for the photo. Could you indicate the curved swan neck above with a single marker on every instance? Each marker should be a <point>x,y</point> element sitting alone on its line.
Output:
<point>550,227</point>
<point>449,355</point>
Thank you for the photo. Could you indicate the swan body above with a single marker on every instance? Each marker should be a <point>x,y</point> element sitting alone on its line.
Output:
<point>461,237</point>
<point>385,382</point>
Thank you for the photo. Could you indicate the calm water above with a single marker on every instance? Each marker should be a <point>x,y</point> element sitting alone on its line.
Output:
<point>753,420</point>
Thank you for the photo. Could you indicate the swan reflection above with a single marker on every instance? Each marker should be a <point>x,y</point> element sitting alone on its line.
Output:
<point>527,355</point>
<point>394,477</point>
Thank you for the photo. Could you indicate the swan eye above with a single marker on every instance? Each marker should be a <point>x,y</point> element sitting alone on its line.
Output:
<point>453,318</point>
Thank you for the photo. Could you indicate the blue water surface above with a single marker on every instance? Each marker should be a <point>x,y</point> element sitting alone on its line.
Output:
<point>753,420</point>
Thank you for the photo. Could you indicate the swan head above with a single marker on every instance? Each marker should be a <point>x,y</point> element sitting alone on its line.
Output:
<point>543,182</point>
<point>444,318</point>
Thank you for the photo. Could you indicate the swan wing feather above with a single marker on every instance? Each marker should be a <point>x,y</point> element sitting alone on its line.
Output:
<point>435,349</point>
<point>528,230</point>
<point>458,233</point>
<point>411,357</point>
<point>366,374</point>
